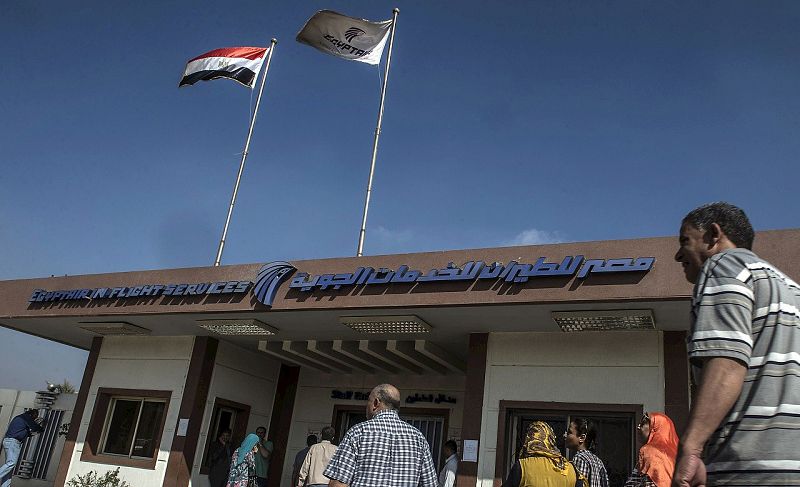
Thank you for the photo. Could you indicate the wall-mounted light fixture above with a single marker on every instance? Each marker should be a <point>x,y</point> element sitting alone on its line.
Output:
<point>238,327</point>
<point>386,324</point>
<point>113,328</point>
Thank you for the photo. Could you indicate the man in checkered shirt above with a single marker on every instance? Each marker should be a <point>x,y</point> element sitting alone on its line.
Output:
<point>383,451</point>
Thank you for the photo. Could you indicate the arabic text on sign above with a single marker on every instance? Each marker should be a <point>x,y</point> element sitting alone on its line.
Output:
<point>512,272</point>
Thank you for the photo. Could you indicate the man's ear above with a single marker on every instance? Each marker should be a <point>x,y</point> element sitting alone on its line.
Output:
<point>713,234</point>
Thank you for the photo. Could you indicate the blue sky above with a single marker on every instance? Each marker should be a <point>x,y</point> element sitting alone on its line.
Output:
<point>505,123</point>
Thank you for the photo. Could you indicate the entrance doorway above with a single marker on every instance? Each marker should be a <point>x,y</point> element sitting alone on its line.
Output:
<point>225,415</point>
<point>616,433</point>
<point>432,423</point>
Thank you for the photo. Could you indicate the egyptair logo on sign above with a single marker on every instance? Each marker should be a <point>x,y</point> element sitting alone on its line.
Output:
<point>352,33</point>
<point>269,279</point>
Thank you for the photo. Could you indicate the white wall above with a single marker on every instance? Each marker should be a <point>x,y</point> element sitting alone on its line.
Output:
<point>313,405</point>
<point>244,376</point>
<point>601,368</point>
<point>13,402</point>
<point>151,363</point>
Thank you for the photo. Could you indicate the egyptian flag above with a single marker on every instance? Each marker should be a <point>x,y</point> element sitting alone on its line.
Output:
<point>240,64</point>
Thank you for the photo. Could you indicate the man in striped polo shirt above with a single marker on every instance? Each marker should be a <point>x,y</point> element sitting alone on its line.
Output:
<point>744,347</point>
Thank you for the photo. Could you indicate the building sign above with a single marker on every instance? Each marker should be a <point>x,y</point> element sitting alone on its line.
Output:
<point>436,399</point>
<point>149,290</point>
<point>350,395</point>
<point>272,275</point>
<point>417,397</point>
<point>268,279</point>
<point>473,270</point>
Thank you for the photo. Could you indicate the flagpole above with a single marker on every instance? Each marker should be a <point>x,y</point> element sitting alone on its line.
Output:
<point>244,155</point>
<point>377,135</point>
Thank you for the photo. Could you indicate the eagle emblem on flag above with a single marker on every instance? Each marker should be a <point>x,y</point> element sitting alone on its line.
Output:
<point>352,33</point>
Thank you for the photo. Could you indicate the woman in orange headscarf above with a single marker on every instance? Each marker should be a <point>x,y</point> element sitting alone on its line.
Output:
<point>540,463</point>
<point>657,455</point>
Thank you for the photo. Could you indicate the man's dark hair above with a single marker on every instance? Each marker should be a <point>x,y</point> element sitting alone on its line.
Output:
<point>731,219</point>
<point>261,428</point>
<point>452,445</point>
<point>223,431</point>
<point>385,396</point>
<point>311,440</point>
<point>34,413</point>
<point>328,433</point>
<point>585,426</point>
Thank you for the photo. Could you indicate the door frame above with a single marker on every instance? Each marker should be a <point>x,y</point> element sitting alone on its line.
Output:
<point>238,428</point>
<point>507,407</point>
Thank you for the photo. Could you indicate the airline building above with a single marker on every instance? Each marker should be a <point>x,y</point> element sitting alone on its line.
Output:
<point>479,342</point>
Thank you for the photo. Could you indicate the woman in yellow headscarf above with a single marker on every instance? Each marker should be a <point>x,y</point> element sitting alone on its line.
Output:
<point>540,463</point>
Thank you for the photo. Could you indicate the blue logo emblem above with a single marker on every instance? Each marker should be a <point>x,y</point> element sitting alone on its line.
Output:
<point>352,33</point>
<point>269,278</point>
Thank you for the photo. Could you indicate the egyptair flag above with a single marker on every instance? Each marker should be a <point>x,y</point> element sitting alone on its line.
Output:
<point>346,37</point>
<point>240,64</point>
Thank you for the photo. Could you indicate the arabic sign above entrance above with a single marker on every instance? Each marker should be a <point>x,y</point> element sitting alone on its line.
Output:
<point>511,272</point>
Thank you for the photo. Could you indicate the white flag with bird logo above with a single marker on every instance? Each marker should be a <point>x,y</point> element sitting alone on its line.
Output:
<point>346,37</point>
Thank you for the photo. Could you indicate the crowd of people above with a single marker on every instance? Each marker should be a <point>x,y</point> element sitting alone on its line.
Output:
<point>246,466</point>
<point>387,451</point>
<point>383,451</point>
<point>743,346</point>
<point>541,464</point>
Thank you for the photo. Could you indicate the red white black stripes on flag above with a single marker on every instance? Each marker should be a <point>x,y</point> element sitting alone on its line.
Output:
<point>240,64</point>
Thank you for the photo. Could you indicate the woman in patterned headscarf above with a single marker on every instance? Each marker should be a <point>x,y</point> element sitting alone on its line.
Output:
<point>243,463</point>
<point>657,456</point>
<point>540,463</point>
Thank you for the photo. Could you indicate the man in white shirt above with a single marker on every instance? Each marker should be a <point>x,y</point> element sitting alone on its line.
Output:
<point>447,477</point>
<point>316,460</point>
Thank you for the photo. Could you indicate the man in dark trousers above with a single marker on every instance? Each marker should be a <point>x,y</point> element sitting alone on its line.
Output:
<point>311,440</point>
<point>19,429</point>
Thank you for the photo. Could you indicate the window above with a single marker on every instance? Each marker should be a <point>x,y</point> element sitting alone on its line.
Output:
<point>132,427</point>
<point>126,427</point>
